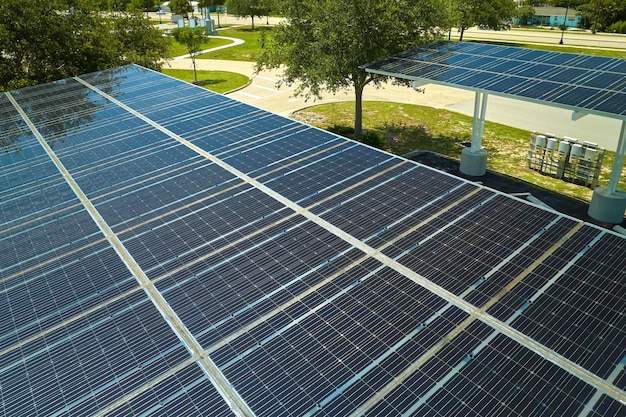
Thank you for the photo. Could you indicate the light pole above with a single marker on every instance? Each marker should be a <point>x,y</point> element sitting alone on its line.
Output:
<point>564,23</point>
<point>595,23</point>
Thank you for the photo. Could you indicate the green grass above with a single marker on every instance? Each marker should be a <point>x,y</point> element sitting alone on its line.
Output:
<point>218,81</point>
<point>411,127</point>
<point>248,51</point>
<point>177,49</point>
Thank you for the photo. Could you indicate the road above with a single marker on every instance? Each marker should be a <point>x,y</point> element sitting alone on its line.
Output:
<point>262,92</point>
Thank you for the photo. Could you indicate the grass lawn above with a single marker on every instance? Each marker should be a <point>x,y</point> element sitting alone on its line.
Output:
<point>218,81</point>
<point>248,51</point>
<point>177,49</point>
<point>411,127</point>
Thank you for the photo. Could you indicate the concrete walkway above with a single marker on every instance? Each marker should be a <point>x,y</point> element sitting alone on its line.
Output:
<point>262,93</point>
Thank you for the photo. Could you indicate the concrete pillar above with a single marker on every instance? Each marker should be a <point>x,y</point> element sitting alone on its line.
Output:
<point>606,206</point>
<point>473,163</point>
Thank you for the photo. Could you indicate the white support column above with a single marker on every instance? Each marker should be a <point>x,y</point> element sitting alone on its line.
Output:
<point>483,110</point>
<point>608,203</point>
<point>474,158</point>
<point>618,164</point>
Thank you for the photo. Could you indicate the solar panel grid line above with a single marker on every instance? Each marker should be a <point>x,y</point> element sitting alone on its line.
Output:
<point>111,407</point>
<point>417,226</point>
<point>296,299</point>
<point>191,113</point>
<point>283,130</point>
<point>378,174</point>
<point>350,178</point>
<point>66,322</point>
<point>555,277</point>
<point>196,199</point>
<point>37,216</point>
<point>93,136</point>
<point>241,239</point>
<point>363,409</point>
<point>29,254</point>
<point>304,162</point>
<point>377,361</point>
<point>175,169</point>
<point>597,396</point>
<point>453,372</point>
<point>155,297</point>
<point>295,322</point>
<point>37,167</point>
<point>285,159</point>
<point>149,181</point>
<point>237,124</point>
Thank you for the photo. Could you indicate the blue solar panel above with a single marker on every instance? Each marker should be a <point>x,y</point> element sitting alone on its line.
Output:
<point>519,72</point>
<point>186,254</point>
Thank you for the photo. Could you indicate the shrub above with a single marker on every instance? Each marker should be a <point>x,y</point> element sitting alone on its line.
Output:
<point>341,130</point>
<point>375,139</point>
<point>617,27</point>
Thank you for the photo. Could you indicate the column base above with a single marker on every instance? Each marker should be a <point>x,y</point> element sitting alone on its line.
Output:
<point>607,208</point>
<point>473,163</point>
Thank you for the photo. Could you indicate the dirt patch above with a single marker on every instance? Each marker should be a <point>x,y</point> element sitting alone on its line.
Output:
<point>308,117</point>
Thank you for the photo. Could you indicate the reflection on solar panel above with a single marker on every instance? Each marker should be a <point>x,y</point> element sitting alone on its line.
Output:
<point>169,251</point>
<point>595,84</point>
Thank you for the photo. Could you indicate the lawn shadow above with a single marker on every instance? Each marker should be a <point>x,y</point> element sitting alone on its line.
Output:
<point>403,139</point>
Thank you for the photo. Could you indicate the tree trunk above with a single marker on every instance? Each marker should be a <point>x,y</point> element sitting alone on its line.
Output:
<point>462,30</point>
<point>358,111</point>
<point>193,61</point>
<point>252,22</point>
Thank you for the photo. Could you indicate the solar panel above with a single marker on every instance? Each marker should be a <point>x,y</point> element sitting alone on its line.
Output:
<point>529,74</point>
<point>170,251</point>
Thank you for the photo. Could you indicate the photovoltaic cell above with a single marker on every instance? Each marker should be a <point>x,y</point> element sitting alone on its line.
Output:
<point>187,392</point>
<point>348,280</point>
<point>530,74</point>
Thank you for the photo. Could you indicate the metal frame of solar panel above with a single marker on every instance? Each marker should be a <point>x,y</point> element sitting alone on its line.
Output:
<point>171,251</point>
<point>581,82</point>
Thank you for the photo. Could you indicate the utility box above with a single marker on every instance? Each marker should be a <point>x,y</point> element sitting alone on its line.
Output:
<point>565,158</point>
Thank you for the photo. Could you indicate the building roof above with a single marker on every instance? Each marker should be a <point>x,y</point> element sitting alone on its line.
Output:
<point>171,251</point>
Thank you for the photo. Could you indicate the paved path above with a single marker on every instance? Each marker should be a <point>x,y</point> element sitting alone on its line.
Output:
<point>262,93</point>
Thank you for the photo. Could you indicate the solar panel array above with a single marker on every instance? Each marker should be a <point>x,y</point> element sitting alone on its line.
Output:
<point>591,83</point>
<point>170,251</point>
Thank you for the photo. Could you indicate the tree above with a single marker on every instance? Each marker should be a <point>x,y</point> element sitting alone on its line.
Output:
<point>219,6</point>
<point>599,14</point>
<point>490,14</point>
<point>192,39</point>
<point>180,7</point>
<point>44,40</point>
<point>248,8</point>
<point>323,43</point>
<point>525,14</point>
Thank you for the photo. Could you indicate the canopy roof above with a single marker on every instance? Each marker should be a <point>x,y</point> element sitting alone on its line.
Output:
<point>582,83</point>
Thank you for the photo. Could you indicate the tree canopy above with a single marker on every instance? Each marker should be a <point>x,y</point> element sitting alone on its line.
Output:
<point>192,39</point>
<point>180,7</point>
<point>323,43</point>
<point>249,8</point>
<point>45,40</point>
<point>490,14</point>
